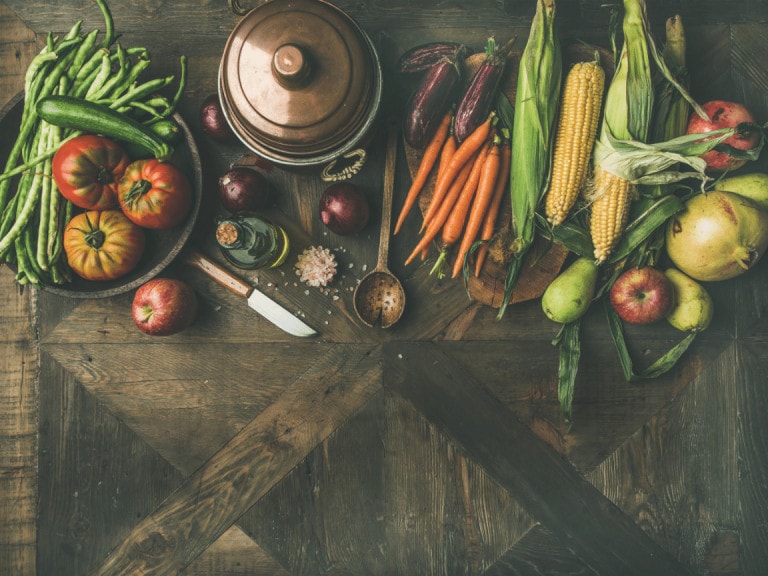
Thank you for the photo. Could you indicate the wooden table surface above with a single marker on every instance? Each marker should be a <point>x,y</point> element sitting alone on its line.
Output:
<point>434,447</point>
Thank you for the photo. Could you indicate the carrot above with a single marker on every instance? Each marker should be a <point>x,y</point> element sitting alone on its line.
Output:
<point>449,149</point>
<point>457,161</point>
<point>452,193</point>
<point>454,223</point>
<point>489,225</point>
<point>435,224</point>
<point>431,153</point>
<point>486,187</point>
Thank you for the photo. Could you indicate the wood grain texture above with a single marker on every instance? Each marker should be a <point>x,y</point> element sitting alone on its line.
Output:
<point>434,447</point>
<point>554,493</point>
<point>19,360</point>
<point>243,471</point>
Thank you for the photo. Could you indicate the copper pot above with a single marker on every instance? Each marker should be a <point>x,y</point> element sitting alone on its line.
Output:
<point>300,83</point>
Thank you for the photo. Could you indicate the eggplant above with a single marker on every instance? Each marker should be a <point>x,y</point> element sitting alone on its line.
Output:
<point>422,58</point>
<point>480,96</point>
<point>431,101</point>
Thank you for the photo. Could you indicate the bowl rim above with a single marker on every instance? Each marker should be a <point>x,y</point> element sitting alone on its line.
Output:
<point>185,231</point>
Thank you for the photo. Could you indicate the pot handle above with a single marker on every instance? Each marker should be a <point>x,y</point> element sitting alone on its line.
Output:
<point>356,160</point>
<point>238,9</point>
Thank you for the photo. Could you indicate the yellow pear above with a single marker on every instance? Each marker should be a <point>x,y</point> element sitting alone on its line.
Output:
<point>754,186</point>
<point>693,307</point>
<point>567,298</point>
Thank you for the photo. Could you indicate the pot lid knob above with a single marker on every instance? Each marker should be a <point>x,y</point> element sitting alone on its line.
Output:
<point>291,66</point>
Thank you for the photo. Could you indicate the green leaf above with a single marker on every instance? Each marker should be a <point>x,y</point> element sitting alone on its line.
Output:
<point>645,224</point>
<point>666,362</point>
<point>568,343</point>
<point>570,234</point>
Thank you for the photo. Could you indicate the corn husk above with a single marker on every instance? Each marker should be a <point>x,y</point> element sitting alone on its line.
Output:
<point>536,99</point>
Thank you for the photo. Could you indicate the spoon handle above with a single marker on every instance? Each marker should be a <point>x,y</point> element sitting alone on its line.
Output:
<point>389,186</point>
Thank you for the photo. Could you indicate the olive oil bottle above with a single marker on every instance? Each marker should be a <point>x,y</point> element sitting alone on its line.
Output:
<point>249,241</point>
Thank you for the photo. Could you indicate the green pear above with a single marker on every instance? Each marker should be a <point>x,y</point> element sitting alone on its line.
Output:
<point>754,186</point>
<point>693,307</point>
<point>567,298</point>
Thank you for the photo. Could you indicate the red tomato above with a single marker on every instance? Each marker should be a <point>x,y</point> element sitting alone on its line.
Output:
<point>103,244</point>
<point>154,194</point>
<point>86,170</point>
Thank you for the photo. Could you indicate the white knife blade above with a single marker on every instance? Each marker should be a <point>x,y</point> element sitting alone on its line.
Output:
<point>257,300</point>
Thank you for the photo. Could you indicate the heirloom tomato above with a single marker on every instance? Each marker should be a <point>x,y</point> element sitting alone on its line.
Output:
<point>154,194</point>
<point>87,169</point>
<point>103,244</point>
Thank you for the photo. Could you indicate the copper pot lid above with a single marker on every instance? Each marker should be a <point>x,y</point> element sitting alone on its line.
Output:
<point>298,78</point>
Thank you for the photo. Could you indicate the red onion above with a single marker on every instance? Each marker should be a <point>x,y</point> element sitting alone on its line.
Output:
<point>243,188</point>
<point>344,209</point>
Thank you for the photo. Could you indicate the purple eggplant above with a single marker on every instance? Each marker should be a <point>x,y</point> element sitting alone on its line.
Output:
<point>421,58</point>
<point>480,95</point>
<point>431,101</point>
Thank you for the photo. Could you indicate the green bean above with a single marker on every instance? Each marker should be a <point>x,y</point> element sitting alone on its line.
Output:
<point>28,243</point>
<point>54,206</point>
<point>140,66</point>
<point>74,31</point>
<point>38,62</point>
<point>91,66</point>
<point>108,22</point>
<point>6,221</point>
<point>82,55</point>
<point>46,192</point>
<point>182,85</point>
<point>104,71</point>
<point>141,91</point>
<point>114,79</point>
<point>25,209</point>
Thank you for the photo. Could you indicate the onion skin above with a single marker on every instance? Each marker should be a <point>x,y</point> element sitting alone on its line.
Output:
<point>344,209</point>
<point>213,121</point>
<point>431,101</point>
<point>244,189</point>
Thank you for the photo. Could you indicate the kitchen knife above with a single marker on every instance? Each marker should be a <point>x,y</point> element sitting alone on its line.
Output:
<point>260,302</point>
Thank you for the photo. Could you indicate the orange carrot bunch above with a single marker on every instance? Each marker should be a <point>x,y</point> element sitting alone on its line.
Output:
<point>468,192</point>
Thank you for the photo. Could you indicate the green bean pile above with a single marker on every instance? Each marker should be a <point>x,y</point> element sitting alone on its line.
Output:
<point>33,214</point>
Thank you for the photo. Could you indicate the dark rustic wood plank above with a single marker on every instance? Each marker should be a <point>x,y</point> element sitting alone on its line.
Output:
<point>395,497</point>
<point>18,428</point>
<point>663,472</point>
<point>19,359</point>
<point>90,494</point>
<point>538,553</point>
<point>215,496</point>
<point>235,554</point>
<point>552,491</point>
<point>751,404</point>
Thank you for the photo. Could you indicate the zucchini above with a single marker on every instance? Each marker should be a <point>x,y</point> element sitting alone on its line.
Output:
<point>91,117</point>
<point>167,129</point>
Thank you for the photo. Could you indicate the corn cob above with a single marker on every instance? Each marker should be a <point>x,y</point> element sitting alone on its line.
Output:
<point>576,133</point>
<point>627,116</point>
<point>610,211</point>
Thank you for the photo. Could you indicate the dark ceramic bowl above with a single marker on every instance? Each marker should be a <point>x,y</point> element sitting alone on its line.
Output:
<point>162,245</point>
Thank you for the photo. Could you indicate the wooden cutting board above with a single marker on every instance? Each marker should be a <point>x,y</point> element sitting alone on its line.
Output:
<point>544,259</point>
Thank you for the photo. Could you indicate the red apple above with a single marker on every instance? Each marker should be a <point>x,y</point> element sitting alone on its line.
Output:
<point>164,306</point>
<point>642,295</point>
<point>724,114</point>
